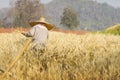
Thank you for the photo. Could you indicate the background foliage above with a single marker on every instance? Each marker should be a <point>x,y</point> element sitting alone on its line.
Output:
<point>70,18</point>
<point>90,14</point>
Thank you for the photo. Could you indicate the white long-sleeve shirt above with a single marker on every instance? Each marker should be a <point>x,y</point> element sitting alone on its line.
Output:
<point>39,34</point>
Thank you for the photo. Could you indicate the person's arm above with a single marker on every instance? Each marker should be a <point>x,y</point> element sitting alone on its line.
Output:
<point>30,33</point>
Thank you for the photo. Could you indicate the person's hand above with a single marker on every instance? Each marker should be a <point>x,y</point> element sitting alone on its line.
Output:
<point>23,33</point>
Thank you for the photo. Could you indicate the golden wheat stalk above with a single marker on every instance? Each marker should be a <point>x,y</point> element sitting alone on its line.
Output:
<point>2,48</point>
<point>17,58</point>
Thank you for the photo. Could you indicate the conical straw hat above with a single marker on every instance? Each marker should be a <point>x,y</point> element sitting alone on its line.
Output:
<point>42,21</point>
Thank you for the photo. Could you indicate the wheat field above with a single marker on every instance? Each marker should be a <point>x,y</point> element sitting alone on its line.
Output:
<point>66,57</point>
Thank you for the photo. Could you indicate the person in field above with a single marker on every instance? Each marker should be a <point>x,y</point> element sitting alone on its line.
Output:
<point>39,33</point>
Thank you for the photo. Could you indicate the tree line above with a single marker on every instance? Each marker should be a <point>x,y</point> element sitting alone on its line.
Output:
<point>91,14</point>
<point>21,12</point>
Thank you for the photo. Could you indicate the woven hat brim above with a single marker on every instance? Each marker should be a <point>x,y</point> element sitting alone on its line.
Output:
<point>47,25</point>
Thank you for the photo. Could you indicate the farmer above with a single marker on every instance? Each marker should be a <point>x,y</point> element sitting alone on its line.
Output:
<point>39,33</point>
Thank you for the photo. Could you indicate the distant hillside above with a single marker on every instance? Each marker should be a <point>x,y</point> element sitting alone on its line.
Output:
<point>3,13</point>
<point>92,15</point>
<point>114,29</point>
<point>5,17</point>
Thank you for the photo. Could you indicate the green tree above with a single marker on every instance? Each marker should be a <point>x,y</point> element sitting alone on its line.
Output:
<point>25,11</point>
<point>70,18</point>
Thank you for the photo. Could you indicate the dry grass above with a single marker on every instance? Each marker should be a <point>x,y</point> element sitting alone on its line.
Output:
<point>67,57</point>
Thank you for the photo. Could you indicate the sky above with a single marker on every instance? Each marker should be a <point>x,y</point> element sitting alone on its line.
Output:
<point>115,3</point>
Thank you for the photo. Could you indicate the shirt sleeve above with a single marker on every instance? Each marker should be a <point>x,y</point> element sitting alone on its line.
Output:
<point>30,33</point>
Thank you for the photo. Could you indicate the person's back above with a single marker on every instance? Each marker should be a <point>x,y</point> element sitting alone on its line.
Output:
<point>40,34</point>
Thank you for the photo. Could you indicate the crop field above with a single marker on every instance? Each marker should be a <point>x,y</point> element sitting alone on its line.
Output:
<point>66,57</point>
